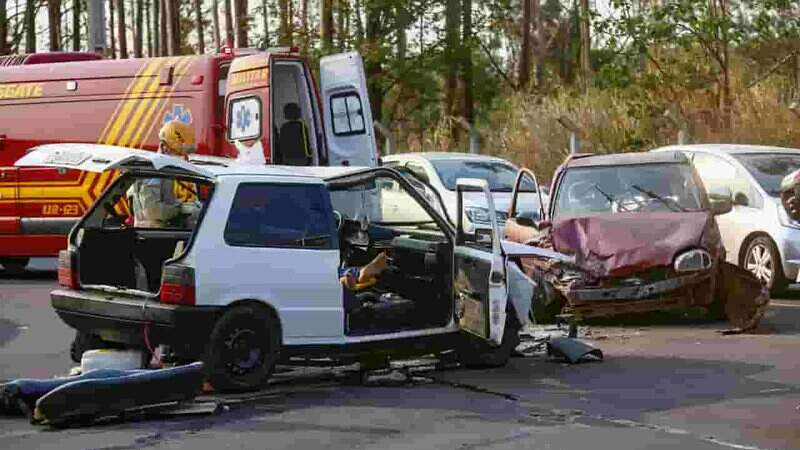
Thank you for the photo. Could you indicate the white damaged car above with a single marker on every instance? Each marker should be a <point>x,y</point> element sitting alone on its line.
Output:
<point>254,279</point>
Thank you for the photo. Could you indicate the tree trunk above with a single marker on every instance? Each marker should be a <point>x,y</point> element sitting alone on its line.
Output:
<point>342,16</point>
<point>326,25</point>
<point>539,42</point>
<point>242,22</point>
<point>148,25</point>
<point>524,74</point>
<point>374,60</point>
<point>452,43</point>
<point>113,33</point>
<point>215,23</point>
<point>265,17</point>
<point>466,62</point>
<point>137,29</point>
<point>402,21</point>
<point>155,28</point>
<point>76,25</point>
<point>304,24</point>
<point>30,26</point>
<point>586,45</point>
<point>162,29</point>
<point>198,15</point>
<point>173,34</point>
<point>54,24</point>
<point>359,23</point>
<point>122,30</point>
<point>285,35</point>
<point>228,23</point>
<point>3,29</point>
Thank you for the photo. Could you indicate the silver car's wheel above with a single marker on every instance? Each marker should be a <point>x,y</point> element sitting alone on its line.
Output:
<point>760,263</point>
<point>763,260</point>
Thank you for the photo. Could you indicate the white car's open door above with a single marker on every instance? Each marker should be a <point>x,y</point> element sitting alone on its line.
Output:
<point>480,271</point>
<point>346,111</point>
<point>100,158</point>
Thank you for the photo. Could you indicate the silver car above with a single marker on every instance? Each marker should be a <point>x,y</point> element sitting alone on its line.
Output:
<point>758,234</point>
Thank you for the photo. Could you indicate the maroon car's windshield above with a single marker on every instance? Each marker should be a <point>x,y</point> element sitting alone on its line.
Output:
<point>660,187</point>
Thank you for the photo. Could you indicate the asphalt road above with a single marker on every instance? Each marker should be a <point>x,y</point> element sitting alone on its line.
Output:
<point>669,383</point>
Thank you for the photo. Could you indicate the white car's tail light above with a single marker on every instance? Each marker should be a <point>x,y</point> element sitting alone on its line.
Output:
<point>68,269</point>
<point>177,285</point>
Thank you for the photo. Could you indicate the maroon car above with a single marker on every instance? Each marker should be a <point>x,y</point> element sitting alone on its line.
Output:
<point>644,237</point>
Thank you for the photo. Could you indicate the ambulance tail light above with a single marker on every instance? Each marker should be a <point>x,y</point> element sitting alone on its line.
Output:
<point>68,269</point>
<point>177,285</point>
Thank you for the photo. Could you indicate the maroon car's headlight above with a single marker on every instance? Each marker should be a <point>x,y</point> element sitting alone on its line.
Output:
<point>693,261</point>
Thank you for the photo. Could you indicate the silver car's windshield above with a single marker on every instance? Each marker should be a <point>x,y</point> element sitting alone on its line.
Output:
<point>499,175</point>
<point>632,188</point>
<point>770,168</point>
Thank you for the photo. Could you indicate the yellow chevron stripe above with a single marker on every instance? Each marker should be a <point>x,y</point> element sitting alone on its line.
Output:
<point>122,119</point>
<point>138,140</point>
<point>113,119</point>
<point>164,104</point>
<point>143,106</point>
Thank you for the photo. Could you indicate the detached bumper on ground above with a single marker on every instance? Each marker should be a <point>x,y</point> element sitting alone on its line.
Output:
<point>124,319</point>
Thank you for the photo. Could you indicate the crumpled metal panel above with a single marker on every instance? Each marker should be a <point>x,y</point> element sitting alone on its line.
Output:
<point>617,245</point>
<point>745,298</point>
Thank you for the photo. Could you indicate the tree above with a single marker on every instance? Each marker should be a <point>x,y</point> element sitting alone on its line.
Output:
<point>54,24</point>
<point>113,49</point>
<point>265,17</point>
<point>451,60</point>
<point>76,25</point>
<point>215,22</point>
<point>3,29</point>
<point>466,62</point>
<point>30,26</point>
<point>586,44</point>
<point>524,75</point>
<point>326,25</point>
<point>201,45</point>
<point>162,27</point>
<point>156,28</point>
<point>138,33</point>
<point>123,30</point>
<point>228,22</point>
<point>285,34</point>
<point>173,28</point>
<point>148,27</point>
<point>242,22</point>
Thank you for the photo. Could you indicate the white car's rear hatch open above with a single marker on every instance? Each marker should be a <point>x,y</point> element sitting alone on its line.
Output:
<point>100,158</point>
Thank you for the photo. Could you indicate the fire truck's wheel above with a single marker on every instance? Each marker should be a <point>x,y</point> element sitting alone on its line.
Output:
<point>14,265</point>
<point>474,353</point>
<point>243,349</point>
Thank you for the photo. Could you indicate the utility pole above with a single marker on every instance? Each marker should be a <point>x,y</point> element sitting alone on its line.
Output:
<point>97,26</point>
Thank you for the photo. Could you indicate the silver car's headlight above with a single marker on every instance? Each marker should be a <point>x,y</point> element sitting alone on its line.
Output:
<point>478,214</point>
<point>693,261</point>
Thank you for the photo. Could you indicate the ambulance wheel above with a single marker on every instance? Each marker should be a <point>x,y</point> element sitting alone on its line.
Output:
<point>475,353</point>
<point>243,349</point>
<point>14,265</point>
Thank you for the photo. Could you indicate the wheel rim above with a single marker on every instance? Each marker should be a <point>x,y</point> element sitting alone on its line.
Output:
<point>759,263</point>
<point>244,353</point>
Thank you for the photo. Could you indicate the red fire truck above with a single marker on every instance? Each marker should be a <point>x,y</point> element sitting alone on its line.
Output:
<point>264,100</point>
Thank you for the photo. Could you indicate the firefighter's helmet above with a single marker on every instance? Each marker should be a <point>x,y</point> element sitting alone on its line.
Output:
<point>177,137</point>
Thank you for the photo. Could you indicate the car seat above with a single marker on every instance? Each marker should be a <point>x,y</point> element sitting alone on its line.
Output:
<point>293,148</point>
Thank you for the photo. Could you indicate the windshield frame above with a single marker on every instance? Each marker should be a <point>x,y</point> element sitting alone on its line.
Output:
<point>742,159</point>
<point>553,210</point>
<point>512,170</point>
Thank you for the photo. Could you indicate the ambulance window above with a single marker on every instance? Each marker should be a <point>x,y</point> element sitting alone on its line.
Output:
<point>348,116</point>
<point>244,120</point>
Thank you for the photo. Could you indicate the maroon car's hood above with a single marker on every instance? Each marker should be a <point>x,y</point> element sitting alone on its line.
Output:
<point>621,244</point>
